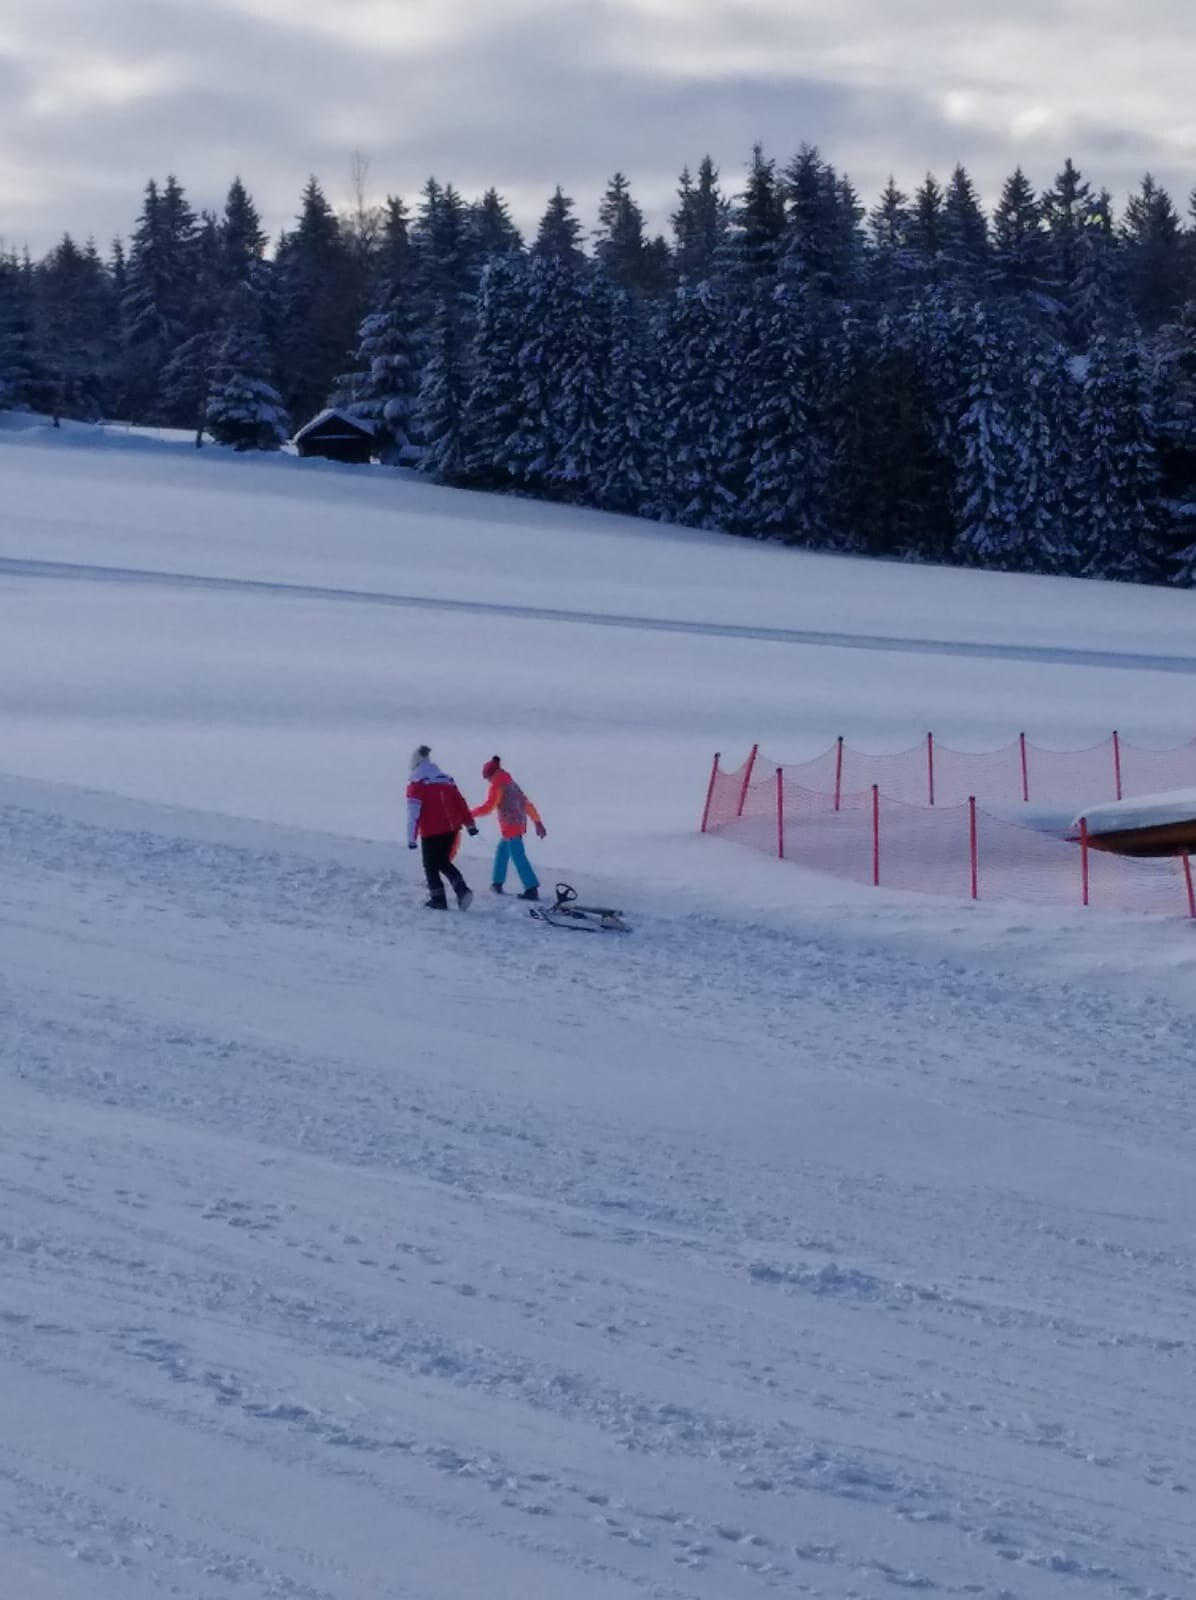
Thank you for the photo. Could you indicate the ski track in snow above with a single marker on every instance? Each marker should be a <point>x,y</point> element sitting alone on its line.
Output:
<point>14,567</point>
<point>714,1262</point>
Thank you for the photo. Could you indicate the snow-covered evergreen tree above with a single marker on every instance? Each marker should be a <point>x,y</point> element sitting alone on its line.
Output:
<point>893,262</point>
<point>821,240</point>
<point>159,288</point>
<point>1114,467</point>
<point>700,224</point>
<point>74,301</point>
<point>783,495</point>
<point>927,224</point>
<point>1021,264</point>
<point>1154,255</point>
<point>316,305</point>
<point>244,409</point>
<point>443,397</point>
<point>494,406</point>
<point>444,260</point>
<point>559,234</point>
<point>993,454</point>
<point>23,378</point>
<point>492,232</point>
<point>619,243</point>
<point>623,477</point>
<point>1096,301</point>
<point>552,443</point>
<point>965,233</point>
<point>242,239</point>
<point>383,387</point>
<point>751,245</point>
<point>699,425</point>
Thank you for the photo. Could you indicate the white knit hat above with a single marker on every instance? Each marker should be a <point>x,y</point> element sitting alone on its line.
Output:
<point>419,755</point>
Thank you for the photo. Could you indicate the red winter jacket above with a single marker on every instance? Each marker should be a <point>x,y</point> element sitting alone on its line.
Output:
<point>434,804</point>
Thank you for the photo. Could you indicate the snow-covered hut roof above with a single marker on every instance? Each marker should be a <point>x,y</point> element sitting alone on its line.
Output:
<point>356,425</point>
<point>1144,811</point>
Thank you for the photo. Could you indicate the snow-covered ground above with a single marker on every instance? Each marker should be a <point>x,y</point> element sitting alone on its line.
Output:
<point>808,1241</point>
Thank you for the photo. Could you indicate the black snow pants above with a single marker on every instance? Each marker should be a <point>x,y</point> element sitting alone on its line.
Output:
<point>438,852</point>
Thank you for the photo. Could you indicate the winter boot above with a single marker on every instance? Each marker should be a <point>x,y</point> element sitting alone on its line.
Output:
<point>464,898</point>
<point>497,888</point>
<point>530,894</point>
<point>436,903</point>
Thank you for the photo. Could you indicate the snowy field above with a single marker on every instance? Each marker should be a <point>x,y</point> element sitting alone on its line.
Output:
<point>809,1241</point>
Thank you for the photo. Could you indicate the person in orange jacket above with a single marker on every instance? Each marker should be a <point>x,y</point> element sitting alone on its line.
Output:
<point>515,811</point>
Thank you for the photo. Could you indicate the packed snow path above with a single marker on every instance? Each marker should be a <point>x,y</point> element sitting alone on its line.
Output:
<point>349,1252</point>
<point>967,649</point>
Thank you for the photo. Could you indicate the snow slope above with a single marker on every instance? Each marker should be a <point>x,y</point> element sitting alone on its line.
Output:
<point>807,1242</point>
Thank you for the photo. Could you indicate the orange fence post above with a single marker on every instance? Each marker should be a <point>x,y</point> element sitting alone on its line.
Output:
<point>974,849</point>
<point>709,793</point>
<point>781,813</point>
<point>747,778</point>
<point>876,836</point>
<point>1084,860</point>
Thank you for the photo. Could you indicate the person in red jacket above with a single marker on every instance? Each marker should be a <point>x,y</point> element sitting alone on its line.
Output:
<point>436,813</point>
<point>515,810</point>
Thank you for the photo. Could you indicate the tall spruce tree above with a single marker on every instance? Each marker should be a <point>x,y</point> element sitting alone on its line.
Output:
<point>619,241</point>
<point>1066,209</point>
<point>700,224</point>
<point>440,412</point>
<point>383,388</point>
<point>444,258</point>
<point>552,442</point>
<point>1095,301</point>
<point>751,247</point>
<point>699,422</point>
<point>317,308</point>
<point>927,224</point>
<point>491,229</point>
<point>1021,264</point>
<point>494,408</point>
<point>821,248</point>
<point>784,489</point>
<point>23,377</point>
<point>559,234</point>
<point>891,226</point>
<point>1154,255</point>
<point>158,294</point>
<point>187,375</point>
<point>242,239</point>
<point>1173,434</point>
<point>1115,469</point>
<point>993,452</point>
<point>965,233</point>
<point>75,316</point>
<point>623,477</point>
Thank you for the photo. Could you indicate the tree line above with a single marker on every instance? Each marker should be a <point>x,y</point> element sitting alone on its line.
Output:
<point>919,380</point>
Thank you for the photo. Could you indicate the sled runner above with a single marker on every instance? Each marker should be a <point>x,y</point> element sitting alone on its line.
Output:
<point>566,913</point>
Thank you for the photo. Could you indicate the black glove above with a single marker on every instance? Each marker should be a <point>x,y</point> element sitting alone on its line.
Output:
<point>411,846</point>
<point>472,832</point>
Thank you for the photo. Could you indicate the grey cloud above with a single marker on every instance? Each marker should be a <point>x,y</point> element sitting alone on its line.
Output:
<point>524,102</point>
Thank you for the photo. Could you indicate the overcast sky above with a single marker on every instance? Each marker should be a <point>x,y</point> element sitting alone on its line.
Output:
<point>98,95</point>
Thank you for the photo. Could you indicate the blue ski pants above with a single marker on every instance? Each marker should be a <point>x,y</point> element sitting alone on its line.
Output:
<point>512,850</point>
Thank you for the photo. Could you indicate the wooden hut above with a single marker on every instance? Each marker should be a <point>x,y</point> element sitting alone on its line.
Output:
<point>337,436</point>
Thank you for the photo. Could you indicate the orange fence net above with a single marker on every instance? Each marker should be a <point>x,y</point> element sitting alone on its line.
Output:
<point>935,820</point>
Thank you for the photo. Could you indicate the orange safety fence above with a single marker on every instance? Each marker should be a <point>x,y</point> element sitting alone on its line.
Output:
<point>889,833</point>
